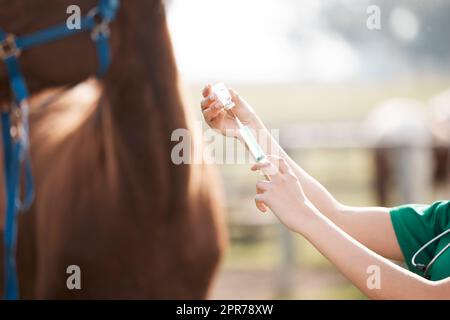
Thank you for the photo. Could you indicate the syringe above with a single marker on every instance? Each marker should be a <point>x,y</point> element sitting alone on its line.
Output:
<point>250,140</point>
<point>246,133</point>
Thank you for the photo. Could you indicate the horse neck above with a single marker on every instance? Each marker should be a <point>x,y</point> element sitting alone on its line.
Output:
<point>140,108</point>
<point>141,87</point>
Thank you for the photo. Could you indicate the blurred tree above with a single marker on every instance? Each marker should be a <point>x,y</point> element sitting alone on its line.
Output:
<point>425,25</point>
<point>428,49</point>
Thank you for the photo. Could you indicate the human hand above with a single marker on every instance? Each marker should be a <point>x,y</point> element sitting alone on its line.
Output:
<point>283,194</point>
<point>222,120</point>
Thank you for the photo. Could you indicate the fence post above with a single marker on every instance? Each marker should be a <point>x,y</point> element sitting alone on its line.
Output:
<point>286,267</point>
<point>413,170</point>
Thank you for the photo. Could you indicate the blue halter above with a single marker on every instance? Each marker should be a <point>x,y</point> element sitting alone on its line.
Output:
<point>15,129</point>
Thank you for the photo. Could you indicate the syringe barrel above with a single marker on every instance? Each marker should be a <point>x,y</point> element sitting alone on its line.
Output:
<point>255,149</point>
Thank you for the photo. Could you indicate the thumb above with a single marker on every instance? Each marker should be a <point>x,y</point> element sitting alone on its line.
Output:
<point>236,98</point>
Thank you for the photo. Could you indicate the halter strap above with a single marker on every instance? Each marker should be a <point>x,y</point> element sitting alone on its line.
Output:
<point>97,21</point>
<point>15,141</point>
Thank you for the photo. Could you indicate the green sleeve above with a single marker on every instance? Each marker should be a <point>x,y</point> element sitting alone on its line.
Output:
<point>415,225</point>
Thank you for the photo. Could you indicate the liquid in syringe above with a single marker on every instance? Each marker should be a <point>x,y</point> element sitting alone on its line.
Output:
<point>225,98</point>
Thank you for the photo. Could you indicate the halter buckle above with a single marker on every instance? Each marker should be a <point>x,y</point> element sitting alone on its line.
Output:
<point>101,27</point>
<point>18,114</point>
<point>8,47</point>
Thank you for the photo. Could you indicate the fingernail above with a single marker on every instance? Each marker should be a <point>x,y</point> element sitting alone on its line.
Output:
<point>212,97</point>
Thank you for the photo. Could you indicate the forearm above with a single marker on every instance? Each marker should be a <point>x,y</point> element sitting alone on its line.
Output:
<point>365,224</point>
<point>353,260</point>
<point>315,192</point>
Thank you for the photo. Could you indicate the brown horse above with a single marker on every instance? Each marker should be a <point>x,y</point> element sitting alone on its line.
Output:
<point>440,109</point>
<point>108,197</point>
<point>413,150</point>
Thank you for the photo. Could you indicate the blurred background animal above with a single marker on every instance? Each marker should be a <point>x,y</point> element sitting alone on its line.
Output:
<point>412,148</point>
<point>440,110</point>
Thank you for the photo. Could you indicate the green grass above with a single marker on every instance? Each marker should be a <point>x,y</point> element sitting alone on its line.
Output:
<point>262,254</point>
<point>339,292</point>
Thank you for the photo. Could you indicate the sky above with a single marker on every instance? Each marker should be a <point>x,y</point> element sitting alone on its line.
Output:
<point>248,41</point>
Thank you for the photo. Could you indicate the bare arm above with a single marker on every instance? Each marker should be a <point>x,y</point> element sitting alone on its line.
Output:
<point>285,196</point>
<point>353,260</point>
<point>364,224</point>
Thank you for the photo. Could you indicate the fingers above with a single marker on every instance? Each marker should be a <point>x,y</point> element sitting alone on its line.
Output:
<point>268,167</point>
<point>260,205</point>
<point>263,186</point>
<point>208,101</point>
<point>274,165</point>
<point>260,198</point>
<point>283,166</point>
<point>213,111</point>
<point>260,165</point>
<point>234,96</point>
<point>206,90</point>
<point>209,97</point>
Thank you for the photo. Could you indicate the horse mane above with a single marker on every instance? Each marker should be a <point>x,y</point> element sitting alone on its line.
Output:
<point>108,195</point>
<point>140,91</point>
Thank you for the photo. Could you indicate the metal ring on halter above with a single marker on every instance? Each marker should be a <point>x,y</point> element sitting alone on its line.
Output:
<point>8,47</point>
<point>15,129</point>
<point>101,27</point>
<point>18,116</point>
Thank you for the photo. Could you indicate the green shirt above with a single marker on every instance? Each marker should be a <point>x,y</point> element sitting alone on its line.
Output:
<point>414,226</point>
